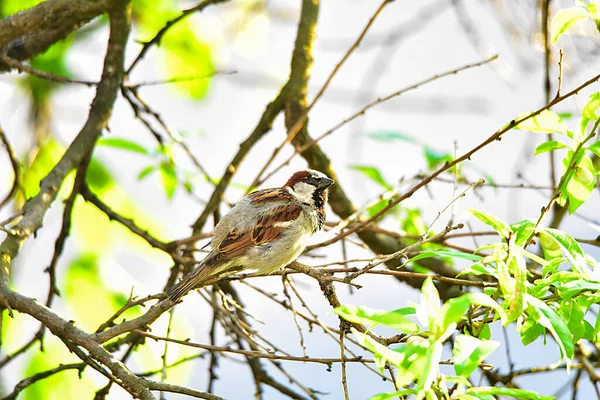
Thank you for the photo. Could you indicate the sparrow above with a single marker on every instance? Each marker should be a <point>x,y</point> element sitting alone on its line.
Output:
<point>264,231</point>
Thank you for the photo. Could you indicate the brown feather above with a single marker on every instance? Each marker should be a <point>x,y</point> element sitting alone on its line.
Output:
<point>269,195</point>
<point>237,243</point>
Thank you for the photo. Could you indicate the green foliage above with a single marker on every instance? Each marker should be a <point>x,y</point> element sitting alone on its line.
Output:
<point>396,319</point>
<point>53,61</point>
<point>563,315</point>
<point>85,291</point>
<point>545,122</point>
<point>579,172</point>
<point>10,7</point>
<point>184,54</point>
<point>48,154</point>
<point>374,174</point>
<point>569,17</point>
<point>64,385</point>
<point>124,144</point>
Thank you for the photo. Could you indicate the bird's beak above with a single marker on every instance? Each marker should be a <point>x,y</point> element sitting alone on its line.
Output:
<point>324,183</point>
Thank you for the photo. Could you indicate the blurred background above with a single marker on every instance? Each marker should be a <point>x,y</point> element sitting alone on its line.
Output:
<point>238,54</point>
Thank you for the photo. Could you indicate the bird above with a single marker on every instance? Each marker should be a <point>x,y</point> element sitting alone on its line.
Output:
<point>264,231</point>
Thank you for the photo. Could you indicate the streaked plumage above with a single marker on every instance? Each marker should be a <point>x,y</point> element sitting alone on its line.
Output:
<point>264,231</point>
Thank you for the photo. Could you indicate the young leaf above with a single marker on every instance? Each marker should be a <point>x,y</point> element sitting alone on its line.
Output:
<point>499,226</point>
<point>572,249</point>
<point>589,111</point>
<point>168,177</point>
<point>188,56</point>
<point>550,246</point>
<point>468,352</point>
<point>545,122</point>
<point>374,174</point>
<point>565,19</point>
<point>522,230</point>
<point>580,186</point>
<point>387,355</point>
<point>390,136</point>
<point>549,146</point>
<point>431,367</point>
<point>146,171</point>
<point>547,317</point>
<point>570,289</point>
<point>454,309</point>
<point>595,148</point>
<point>530,331</point>
<point>477,270</point>
<point>503,391</point>
<point>435,158</point>
<point>445,253</point>
<point>364,315</point>
<point>571,312</point>
<point>399,394</point>
<point>123,144</point>
<point>428,310</point>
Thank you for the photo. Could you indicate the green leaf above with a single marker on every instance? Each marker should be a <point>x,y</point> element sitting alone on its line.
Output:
<point>550,145</point>
<point>572,249</point>
<point>390,136</point>
<point>46,157</point>
<point>565,19</point>
<point>468,352</point>
<point>515,299</point>
<point>186,55</point>
<point>570,289</point>
<point>444,253</point>
<point>550,246</point>
<point>98,177</point>
<point>581,184</point>
<point>364,315</point>
<point>53,61</point>
<point>503,391</point>
<point>431,367</point>
<point>85,291</point>
<point>547,317</point>
<point>522,230</point>
<point>168,177</point>
<point>374,174</point>
<point>385,354</point>
<point>530,331</point>
<point>123,144</point>
<point>590,111</point>
<point>428,310</point>
<point>395,395</point>
<point>455,309</point>
<point>545,122</point>
<point>146,171</point>
<point>435,158</point>
<point>477,270</point>
<point>499,226</point>
<point>571,312</point>
<point>595,148</point>
<point>8,7</point>
<point>63,385</point>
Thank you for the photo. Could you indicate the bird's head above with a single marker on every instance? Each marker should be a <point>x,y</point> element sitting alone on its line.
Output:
<point>309,186</point>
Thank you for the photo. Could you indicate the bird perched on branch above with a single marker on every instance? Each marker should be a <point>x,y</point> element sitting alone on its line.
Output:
<point>264,231</point>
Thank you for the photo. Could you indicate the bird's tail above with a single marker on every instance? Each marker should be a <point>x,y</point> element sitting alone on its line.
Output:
<point>199,276</point>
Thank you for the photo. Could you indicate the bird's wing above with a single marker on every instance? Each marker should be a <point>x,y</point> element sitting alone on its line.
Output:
<point>236,243</point>
<point>269,195</point>
<point>267,229</point>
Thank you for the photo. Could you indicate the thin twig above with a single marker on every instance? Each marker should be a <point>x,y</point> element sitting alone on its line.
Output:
<point>372,104</point>
<point>15,167</point>
<point>297,126</point>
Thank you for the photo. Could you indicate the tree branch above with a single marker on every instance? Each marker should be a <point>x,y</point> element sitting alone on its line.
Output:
<point>31,32</point>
